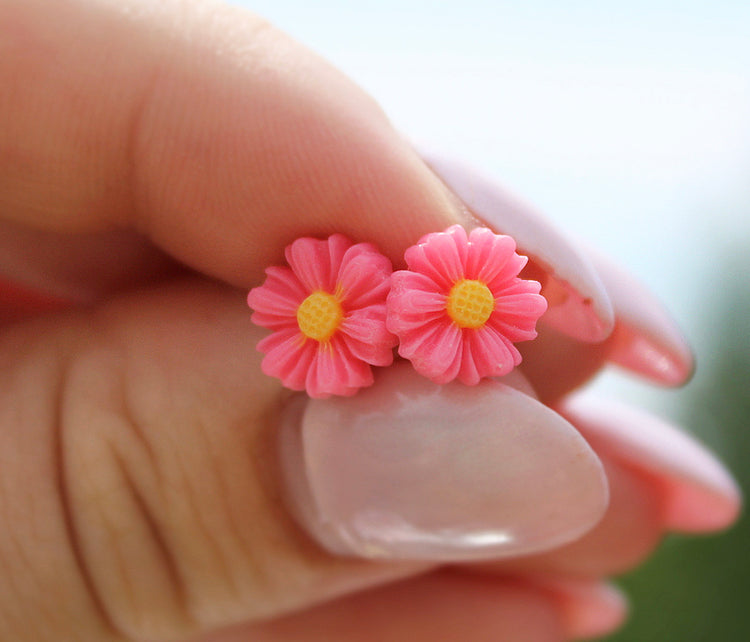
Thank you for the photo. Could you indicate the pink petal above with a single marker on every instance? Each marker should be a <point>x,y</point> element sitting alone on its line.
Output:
<point>585,312</point>
<point>490,257</point>
<point>367,338</point>
<point>404,281</point>
<point>364,277</point>
<point>288,357</point>
<point>335,371</point>
<point>507,275</point>
<point>523,309</point>
<point>311,260</point>
<point>275,302</point>
<point>441,256</point>
<point>468,373</point>
<point>451,372</point>
<point>646,340</point>
<point>273,321</point>
<point>338,247</point>
<point>433,349</point>
<point>514,329</point>
<point>407,323</point>
<point>410,306</point>
<point>492,353</point>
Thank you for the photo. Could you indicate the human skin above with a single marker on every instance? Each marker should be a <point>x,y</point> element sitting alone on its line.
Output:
<point>154,158</point>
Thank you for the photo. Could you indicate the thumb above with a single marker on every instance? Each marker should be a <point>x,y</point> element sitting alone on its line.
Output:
<point>141,485</point>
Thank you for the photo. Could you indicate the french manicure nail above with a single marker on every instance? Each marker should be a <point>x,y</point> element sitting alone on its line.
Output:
<point>700,493</point>
<point>409,469</point>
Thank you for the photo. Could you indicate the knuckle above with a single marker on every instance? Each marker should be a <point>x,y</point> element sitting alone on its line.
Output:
<point>168,493</point>
<point>112,495</point>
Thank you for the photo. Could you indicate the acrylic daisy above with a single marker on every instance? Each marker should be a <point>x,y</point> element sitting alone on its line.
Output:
<point>327,313</point>
<point>461,306</point>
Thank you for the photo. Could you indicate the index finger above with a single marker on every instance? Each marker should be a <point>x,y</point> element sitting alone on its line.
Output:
<point>202,127</point>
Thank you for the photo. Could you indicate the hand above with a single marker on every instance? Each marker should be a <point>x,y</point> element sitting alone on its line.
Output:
<point>154,158</point>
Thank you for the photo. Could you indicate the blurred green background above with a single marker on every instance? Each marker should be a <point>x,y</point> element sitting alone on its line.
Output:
<point>698,588</point>
<point>629,125</point>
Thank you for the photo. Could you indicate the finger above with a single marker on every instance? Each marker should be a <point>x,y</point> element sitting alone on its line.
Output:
<point>588,295</point>
<point>556,364</point>
<point>153,510</point>
<point>201,127</point>
<point>66,269</point>
<point>438,607</point>
<point>699,493</point>
<point>152,434</point>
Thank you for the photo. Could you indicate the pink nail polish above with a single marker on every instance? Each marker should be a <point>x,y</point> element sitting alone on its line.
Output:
<point>409,469</point>
<point>700,495</point>
<point>645,339</point>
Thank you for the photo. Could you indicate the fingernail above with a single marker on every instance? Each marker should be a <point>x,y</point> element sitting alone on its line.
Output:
<point>646,340</point>
<point>700,494</point>
<point>409,469</point>
<point>579,304</point>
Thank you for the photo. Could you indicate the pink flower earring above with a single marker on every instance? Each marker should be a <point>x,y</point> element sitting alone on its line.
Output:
<point>327,312</point>
<point>338,310</point>
<point>461,306</point>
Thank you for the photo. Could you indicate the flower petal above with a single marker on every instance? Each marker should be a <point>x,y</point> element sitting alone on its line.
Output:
<point>338,247</point>
<point>311,259</point>
<point>520,310</point>
<point>432,349</point>
<point>367,338</point>
<point>288,357</point>
<point>275,302</point>
<point>413,302</point>
<point>441,256</point>
<point>335,371</point>
<point>506,276</point>
<point>492,353</point>
<point>364,276</point>
<point>451,372</point>
<point>585,311</point>
<point>492,257</point>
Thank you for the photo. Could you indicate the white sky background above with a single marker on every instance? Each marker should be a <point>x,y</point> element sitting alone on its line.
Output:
<point>626,123</point>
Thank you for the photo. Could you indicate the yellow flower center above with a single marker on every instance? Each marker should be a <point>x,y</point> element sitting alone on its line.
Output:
<point>319,316</point>
<point>470,303</point>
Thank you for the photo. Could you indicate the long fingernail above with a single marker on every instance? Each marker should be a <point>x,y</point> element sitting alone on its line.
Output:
<point>646,340</point>
<point>700,494</point>
<point>409,469</point>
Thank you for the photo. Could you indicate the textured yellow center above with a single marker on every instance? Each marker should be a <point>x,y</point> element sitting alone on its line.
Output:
<point>319,316</point>
<point>470,303</point>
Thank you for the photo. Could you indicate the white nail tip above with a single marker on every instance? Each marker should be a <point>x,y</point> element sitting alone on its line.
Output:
<point>411,470</point>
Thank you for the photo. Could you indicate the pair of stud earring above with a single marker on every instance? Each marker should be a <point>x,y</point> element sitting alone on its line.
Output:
<point>338,309</point>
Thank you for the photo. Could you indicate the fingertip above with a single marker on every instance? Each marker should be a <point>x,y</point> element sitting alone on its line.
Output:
<point>590,609</point>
